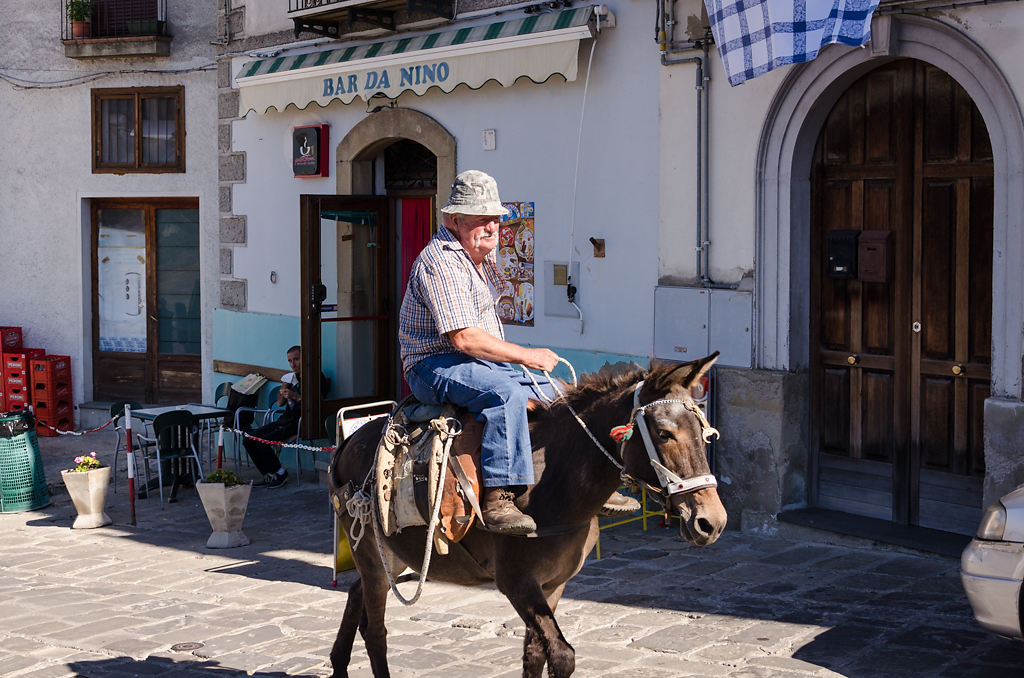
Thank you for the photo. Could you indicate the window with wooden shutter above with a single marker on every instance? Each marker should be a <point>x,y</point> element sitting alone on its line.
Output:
<point>138,130</point>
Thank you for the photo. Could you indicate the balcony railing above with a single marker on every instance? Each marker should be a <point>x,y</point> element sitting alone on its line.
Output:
<point>118,19</point>
<point>299,5</point>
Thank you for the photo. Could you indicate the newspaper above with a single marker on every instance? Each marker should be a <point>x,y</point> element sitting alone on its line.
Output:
<point>249,384</point>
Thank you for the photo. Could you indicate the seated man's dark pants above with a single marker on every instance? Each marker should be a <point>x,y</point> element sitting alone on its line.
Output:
<point>262,455</point>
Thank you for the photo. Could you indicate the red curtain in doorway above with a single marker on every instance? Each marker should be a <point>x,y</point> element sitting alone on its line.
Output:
<point>416,222</point>
<point>415,233</point>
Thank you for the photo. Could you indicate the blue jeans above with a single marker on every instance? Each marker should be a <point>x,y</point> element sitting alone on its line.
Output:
<point>497,394</point>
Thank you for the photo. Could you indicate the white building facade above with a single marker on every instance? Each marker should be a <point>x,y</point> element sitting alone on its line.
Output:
<point>692,217</point>
<point>109,185</point>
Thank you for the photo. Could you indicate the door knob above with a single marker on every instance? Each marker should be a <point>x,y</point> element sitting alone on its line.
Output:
<point>958,370</point>
<point>853,359</point>
<point>916,326</point>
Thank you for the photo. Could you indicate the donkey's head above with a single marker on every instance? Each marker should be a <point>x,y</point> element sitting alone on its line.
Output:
<point>667,447</point>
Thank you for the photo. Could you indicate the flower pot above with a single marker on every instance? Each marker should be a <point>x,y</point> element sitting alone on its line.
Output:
<point>225,509</point>
<point>88,490</point>
<point>81,29</point>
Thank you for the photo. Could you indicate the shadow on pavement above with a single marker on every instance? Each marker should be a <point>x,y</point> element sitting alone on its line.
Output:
<point>165,666</point>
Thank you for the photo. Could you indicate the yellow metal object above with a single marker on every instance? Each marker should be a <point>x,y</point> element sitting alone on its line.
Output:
<point>342,551</point>
<point>644,514</point>
<point>958,370</point>
<point>853,359</point>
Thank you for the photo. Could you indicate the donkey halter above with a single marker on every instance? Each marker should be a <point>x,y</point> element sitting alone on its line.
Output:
<point>669,481</point>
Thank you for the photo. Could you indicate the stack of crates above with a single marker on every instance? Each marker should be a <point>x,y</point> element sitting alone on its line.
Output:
<point>17,389</point>
<point>51,393</point>
<point>10,341</point>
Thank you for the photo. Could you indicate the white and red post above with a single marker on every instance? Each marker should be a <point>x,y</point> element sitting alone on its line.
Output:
<point>130,456</point>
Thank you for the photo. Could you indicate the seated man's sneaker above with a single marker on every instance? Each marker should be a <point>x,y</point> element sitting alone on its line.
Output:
<point>273,480</point>
<point>501,514</point>
<point>619,505</point>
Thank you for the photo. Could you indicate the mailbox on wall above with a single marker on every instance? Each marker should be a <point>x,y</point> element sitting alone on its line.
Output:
<point>873,260</point>
<point>841,254</point>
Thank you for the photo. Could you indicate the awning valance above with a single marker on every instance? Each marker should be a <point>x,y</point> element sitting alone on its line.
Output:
<point>535,47</point>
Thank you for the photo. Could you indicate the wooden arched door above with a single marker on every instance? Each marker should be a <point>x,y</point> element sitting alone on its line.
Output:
<point>900,359</point>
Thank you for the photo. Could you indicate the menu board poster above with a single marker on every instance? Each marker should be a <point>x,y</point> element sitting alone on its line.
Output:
<point>515,264</point>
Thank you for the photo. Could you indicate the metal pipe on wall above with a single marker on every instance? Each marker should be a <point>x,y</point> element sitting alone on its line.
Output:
<point>664,35</point>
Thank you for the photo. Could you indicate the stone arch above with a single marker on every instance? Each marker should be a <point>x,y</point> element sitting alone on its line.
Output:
<point>371,135</point>
<point>790,132</point>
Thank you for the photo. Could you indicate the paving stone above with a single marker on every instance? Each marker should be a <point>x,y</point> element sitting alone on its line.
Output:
<point>801,555</point>
<point>671,639</point>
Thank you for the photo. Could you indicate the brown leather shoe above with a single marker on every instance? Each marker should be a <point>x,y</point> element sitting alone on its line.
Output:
<point>619,505</point>
<point>501,514</point>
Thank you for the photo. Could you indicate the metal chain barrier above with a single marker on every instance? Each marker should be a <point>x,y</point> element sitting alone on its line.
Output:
<point>300,446</point>
<point>75,433</point>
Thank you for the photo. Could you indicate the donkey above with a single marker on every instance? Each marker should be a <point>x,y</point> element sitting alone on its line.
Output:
<point>575,477</point>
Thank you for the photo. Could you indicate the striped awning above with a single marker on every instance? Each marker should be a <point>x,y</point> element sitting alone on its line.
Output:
<point>534,47</point>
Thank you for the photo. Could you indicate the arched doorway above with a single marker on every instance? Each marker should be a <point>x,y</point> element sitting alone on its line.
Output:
<point>900,339</point>
<point>358,247</point>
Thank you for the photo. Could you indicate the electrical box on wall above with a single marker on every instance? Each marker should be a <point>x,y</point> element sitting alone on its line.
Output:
<point>311,150</point>
<point>691,322</point>
<point>556,302</point>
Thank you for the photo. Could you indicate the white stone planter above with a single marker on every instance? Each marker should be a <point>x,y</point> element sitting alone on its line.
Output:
<point>88,490</point>
<point>225,509</point>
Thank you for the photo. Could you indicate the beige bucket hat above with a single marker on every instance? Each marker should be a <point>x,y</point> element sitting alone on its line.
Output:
<point>474,192</point>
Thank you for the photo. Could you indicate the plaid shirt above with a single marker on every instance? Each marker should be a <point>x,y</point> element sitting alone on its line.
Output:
<point>446,293</point>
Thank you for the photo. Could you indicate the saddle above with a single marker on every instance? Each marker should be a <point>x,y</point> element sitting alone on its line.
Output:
<point>409,471</point>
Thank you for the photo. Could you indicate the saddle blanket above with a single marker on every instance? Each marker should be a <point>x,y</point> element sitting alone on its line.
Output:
<point>409,471</point>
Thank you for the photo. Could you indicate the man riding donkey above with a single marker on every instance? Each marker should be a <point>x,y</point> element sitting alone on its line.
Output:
<point>454,350</point>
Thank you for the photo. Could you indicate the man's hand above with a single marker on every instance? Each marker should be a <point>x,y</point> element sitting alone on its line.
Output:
<point>542,359</point>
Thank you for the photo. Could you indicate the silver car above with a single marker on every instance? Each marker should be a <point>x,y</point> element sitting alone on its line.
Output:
<point>992,566</point>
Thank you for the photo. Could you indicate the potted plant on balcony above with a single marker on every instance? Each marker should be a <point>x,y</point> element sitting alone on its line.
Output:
<point>225,497</point>
<point>80,14</point>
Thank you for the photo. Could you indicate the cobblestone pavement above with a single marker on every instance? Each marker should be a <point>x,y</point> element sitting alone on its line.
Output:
<point>115,601</point>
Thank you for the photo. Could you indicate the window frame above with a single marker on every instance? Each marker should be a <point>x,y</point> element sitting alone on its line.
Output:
<point>99,95</point>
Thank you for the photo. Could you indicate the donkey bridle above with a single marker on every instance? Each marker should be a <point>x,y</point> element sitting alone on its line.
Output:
<point>671,484</point>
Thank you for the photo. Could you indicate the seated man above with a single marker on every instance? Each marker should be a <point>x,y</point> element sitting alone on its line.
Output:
<point>283,429</point>
<point>453,348</point>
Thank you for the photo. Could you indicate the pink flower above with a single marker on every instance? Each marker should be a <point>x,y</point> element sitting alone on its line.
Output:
<point>92,454</point>
<point>79,460</point>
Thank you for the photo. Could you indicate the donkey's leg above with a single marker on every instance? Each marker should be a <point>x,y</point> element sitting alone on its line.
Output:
<point>371,626</point>
<point>528,599</point>
<point>341,652</point>
<point>533,646</point>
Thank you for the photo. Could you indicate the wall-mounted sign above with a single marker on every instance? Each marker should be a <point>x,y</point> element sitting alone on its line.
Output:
<point>310,151</point>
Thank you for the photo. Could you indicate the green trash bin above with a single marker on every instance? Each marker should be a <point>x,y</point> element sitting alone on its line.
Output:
<point>22,480</point>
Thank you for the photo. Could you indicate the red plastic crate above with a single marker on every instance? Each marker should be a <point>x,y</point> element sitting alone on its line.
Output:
<point>62,418</point>
<point>46,405</point>
<point>18,360</point>
<point>3,401</point>
<point>15,378</point>
<point>16,398</point>
<point>10,339</point>
<point>51,377</point>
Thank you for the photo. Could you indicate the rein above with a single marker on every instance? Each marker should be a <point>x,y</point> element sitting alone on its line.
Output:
<point>671,483</point>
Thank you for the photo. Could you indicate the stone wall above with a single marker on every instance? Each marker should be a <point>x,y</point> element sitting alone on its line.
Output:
<point>761,458</point>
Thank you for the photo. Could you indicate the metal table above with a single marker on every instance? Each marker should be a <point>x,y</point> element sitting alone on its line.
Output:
<point>200,412</point>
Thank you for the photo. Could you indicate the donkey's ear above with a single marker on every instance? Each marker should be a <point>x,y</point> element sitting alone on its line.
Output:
<point>664,376</point>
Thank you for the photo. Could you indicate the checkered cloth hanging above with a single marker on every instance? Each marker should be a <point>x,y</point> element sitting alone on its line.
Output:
<point>755,36</point>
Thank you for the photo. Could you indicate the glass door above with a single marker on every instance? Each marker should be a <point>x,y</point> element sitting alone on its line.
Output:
<point>347,318</point>
<point>146,302</point>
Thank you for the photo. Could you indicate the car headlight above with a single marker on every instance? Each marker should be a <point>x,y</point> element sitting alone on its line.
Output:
<point>993,523</point>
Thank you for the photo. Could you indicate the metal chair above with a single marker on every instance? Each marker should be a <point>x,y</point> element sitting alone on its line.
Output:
<point>174,439</point>
<point>260,418</point>
<point>117,414</point>
<point>206,425</point>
